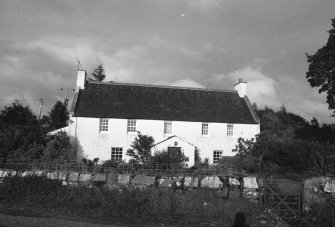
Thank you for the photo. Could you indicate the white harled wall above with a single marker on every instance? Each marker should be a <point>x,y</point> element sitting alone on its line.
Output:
<point>93,143</point>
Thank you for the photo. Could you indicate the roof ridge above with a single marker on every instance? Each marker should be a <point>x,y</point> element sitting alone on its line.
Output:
<point>159,86</point>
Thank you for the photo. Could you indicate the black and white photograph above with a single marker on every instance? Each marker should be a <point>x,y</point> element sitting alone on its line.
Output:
<point>167,113</point>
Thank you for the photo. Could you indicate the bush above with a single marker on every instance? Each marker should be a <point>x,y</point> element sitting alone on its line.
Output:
<point>58,148</point>
<point>127,204</point>
<point>319,215</point>
<point>175,159</point>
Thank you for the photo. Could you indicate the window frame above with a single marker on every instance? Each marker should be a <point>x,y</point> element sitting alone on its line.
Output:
<point>103,125</point>
<point>204,129</point>
<point>217,155</point>
<point>131,126</point>
<point>167,125</point>
<point>117,154</point>
<point>230,129</point>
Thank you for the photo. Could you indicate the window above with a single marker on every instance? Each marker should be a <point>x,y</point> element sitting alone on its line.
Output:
<point>131,126</point>
<point>204,129</point>
<point>167,127</point>
<point>116,153</point>
<point>103,125</point>
<point>230,130</point>
<point>217,154</point>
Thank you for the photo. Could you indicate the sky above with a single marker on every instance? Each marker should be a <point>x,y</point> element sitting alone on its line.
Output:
<point>190,43</point>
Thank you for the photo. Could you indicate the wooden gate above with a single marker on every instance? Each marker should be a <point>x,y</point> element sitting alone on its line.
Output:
<point>285,196</point>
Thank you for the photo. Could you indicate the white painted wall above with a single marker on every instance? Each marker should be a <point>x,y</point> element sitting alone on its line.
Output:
<point>98,144</point>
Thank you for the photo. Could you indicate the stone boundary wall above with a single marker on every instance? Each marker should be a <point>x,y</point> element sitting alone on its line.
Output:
<point>315,189</point>
<point>224,187</point>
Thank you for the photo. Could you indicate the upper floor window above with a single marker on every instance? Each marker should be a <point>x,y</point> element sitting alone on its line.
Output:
<point>217,155</point>
<point>131,126</point>
<point>167,127</point>
<point>103,125</point>
<point>116,153</point>
<point>204,129</point>
<point>230,130</point>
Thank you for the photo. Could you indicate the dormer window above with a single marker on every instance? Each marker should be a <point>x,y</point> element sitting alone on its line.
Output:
<point>167,127</point>
<point>230,130</point>
<point>131,126</point>
<point>204,129</point>
<point>103,125</point>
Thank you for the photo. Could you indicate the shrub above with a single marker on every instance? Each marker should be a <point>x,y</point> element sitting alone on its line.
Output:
<point>175,159</point>
<point>127,204</point>
<point>320,214</point>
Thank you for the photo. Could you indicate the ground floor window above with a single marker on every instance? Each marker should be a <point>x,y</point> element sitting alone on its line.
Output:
<point>217,155</point>
<point>116,153</point>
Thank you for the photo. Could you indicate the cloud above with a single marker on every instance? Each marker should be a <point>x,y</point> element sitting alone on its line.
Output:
<point>310,109</point>
<point>181,83</point>
<point>187,83</point>
<point>63,53</point>
<point>205,7</point>
<point>261,88</point>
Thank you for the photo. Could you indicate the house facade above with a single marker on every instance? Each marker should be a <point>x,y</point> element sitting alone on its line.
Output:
<point>105,119</point>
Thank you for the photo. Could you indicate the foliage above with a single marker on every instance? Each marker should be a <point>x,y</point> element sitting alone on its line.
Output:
<point>58,117</point>
<point>197,158</point>
<point>98,73</point>
<point>321,71</point>
<point>59,148</point>
<point>141,148</point>
<point>319,214</point>
<point>19,131</point>
<point>110,164</point>
<point>281,122</point>
<point>256,152</point>
<point>271,153</point>
<point>175,159</point>
<point>314,132</point>
<point>145,205</point>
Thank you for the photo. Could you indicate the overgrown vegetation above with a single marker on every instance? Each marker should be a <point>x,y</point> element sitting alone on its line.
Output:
<point>23,137</point>
<point>141,153</point>
<point>150,204</point>
<point>287,143</point>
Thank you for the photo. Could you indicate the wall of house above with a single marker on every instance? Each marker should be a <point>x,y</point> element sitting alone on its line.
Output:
<point>98,144</point>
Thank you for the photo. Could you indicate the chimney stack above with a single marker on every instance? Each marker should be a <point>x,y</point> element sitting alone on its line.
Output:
<point>81,79</point>
<point>241,88</point>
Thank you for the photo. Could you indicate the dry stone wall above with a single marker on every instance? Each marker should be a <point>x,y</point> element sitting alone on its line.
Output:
<point>316,189</point>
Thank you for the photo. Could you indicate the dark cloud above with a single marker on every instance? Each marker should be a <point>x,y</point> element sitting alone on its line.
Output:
<point>196,42</point>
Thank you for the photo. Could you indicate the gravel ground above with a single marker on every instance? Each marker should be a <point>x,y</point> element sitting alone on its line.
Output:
<point>18,221</point>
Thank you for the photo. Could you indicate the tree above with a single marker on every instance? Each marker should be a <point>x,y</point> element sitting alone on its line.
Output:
<point>257,151</point>
<point>141,148</point>
<point>59,148</point>
<point>321,71</point>
<point>98,73</point>
<point>177,159</point>
<point>20,134</point>
<point>58,116</point>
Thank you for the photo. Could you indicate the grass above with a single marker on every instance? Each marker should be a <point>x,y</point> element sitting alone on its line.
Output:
<point>128,206</point>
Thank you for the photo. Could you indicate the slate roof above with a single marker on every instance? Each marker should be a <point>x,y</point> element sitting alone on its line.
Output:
<point>134,101</point>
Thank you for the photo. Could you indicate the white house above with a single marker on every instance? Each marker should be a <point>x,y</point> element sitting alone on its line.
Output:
<point>105,118</point>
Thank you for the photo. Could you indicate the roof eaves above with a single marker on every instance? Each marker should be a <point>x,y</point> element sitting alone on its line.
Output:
<point>252,110</point>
